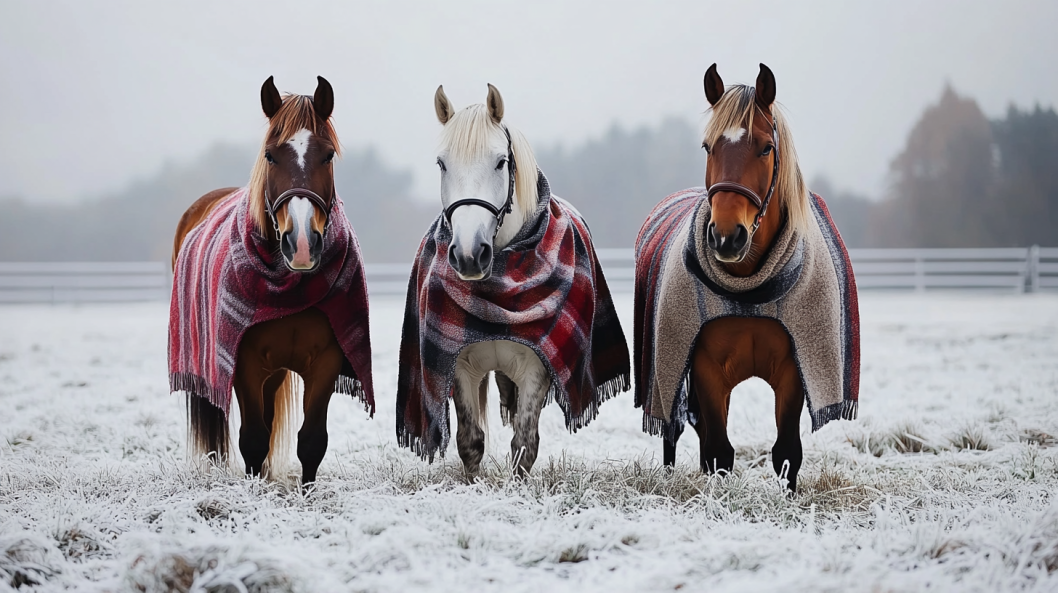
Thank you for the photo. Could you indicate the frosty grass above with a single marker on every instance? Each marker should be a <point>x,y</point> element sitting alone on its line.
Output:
<point>947,481</point>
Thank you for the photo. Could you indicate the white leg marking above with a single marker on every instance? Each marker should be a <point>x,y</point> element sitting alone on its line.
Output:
<point>300,143</point>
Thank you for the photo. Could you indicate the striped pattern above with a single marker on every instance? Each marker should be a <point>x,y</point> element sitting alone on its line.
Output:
<point>806,283</point>
<point>547,291</point>
<point>227,279</point>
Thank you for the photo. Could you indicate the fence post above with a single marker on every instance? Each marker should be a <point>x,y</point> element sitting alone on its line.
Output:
<point>920,274</point>
<point>1034,268</point>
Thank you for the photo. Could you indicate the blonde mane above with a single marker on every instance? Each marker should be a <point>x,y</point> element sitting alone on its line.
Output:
<point>296,113</point>
<point>736,109</point>
<point>467,136</point>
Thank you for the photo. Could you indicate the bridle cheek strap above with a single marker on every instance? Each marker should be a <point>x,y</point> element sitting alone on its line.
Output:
<point>738,188</point>
<point>508,205</point>
<point>272,207</point>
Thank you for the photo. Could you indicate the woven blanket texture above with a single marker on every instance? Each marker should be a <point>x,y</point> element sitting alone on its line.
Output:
<point>806,283</point>
<point>547,291</point>
<point>227,279</point>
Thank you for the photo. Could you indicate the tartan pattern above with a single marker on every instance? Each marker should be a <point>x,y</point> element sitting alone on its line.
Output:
<point>547,291</point>
<point>227,280</point>
<point>813,296</point>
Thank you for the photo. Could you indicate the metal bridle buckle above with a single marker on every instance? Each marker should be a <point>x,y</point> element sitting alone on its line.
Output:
<point>508,205</point>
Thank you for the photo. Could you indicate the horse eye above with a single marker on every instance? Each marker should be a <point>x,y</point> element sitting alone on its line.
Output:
<point>330,157</point>
<point>268,157</point>
<point>706,147</point>
<point>767,150</point>
<point>501,164</point>
<point>441,164</point>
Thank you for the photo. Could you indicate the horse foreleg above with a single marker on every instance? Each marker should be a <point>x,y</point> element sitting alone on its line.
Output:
<point>255,433</point>
<point>670,446</point>
<point>470,398</point>
<point>531,395</point>
<point>789,400</point>
<point>714,399</point>
<point>319,386</point>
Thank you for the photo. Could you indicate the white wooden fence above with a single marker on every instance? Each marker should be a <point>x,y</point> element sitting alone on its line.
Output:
<point>1033,269</point>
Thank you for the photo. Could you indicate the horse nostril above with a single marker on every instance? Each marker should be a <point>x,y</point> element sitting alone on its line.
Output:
<point>741,238</point>
<point>484,256</point>
<point>315,242</point>
<point>452,258</point>
<point>712,236</point>
<point>289,245</point>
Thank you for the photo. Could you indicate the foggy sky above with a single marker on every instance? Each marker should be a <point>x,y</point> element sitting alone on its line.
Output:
<point>94,94</point>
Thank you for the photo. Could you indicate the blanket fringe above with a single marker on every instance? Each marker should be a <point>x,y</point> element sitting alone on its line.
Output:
<point>607,390</point>
<point>352,386</point>
<point>196,386</point>
<point>419,446</point>
<point>845,410</point>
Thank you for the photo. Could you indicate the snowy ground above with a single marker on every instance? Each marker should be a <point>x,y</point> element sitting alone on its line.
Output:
<point>948,480</point>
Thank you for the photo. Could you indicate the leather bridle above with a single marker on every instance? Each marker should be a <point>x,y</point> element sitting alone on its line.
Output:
<point>738,188</point>
<point>296,192</point>
<point>508,205</point>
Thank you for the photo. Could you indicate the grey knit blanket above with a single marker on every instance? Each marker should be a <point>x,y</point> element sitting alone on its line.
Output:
<point>806,283</point>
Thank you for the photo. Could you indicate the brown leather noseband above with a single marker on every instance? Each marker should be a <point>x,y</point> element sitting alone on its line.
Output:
<point>272,207</point>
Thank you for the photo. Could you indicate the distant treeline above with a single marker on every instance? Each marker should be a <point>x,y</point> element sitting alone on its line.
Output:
<point>960,181</point>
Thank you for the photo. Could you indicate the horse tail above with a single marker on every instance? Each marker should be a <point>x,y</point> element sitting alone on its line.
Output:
<point>207,427</point>
<point>284,427</point>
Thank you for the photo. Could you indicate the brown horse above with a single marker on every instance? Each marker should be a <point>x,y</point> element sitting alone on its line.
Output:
<point>750,166</point>
<point>296,156</point>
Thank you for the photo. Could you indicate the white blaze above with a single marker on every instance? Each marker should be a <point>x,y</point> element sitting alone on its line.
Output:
<point>734,135</point>
<point>301,211</point>
<point>300,143</point>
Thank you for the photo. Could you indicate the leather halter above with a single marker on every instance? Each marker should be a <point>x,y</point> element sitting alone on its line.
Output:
<point>738,188</point>
<point>297,192</point>
<point>508,205</point>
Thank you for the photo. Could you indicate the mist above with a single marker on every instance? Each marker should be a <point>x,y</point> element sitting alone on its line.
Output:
<point>99,95</point>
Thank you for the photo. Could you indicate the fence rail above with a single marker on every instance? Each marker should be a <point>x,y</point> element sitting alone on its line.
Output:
<point>1032,269</point>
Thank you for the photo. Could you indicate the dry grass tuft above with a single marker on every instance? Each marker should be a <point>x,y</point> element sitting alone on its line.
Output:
<point>206,569</point>
<point>972,437</point>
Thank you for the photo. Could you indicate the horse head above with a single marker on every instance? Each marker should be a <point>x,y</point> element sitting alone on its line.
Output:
<point>296,175</point>
<point>487,175</point>
<point>742,166</point>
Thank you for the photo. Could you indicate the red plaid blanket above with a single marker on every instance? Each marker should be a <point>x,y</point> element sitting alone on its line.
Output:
<point>226,280</point>
<point>546,291</point>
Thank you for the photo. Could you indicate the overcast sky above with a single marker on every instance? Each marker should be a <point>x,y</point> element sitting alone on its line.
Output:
<point>94,94</point>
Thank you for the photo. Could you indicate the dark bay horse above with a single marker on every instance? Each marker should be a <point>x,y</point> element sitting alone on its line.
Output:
<point>296,155</point>
<point>754,195</point>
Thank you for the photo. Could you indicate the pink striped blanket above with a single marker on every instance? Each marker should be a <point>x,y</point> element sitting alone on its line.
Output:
<point>227,279</point>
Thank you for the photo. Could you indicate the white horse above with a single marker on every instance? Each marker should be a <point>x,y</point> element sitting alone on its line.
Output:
<point>488,199</point>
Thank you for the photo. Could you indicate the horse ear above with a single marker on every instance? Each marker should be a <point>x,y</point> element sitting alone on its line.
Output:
<point>495,104</point>
<point>270,99</point>
<point>714,85</point>
<point>442,105</point>
<point>323,99</point>
<point>765,87</point>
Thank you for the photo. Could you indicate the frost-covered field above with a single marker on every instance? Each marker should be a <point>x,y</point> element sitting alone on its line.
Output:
<point>948,481</point>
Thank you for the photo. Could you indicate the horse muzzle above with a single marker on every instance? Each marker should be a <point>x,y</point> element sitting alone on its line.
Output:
<point>301,251</point>
<point>728,247</point>
<point>475,264</point>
